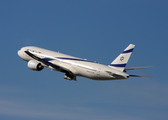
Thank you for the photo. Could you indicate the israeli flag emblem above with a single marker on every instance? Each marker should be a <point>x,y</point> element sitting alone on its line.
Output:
<point>122,58</point>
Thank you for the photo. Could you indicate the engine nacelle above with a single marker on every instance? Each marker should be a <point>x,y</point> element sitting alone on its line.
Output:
<point>35,65</point>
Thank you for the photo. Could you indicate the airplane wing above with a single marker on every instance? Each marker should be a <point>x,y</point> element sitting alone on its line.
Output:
<point>69,74</point>
<point>134,68</point>
<point>55,67</point>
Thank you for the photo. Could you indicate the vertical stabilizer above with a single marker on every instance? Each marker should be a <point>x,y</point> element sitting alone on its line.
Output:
<point>120,62</point>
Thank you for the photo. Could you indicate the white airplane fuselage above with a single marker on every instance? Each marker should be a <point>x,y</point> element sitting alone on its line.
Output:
<point>77,66</point>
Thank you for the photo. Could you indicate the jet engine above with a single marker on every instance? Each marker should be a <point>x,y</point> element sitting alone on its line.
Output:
<point>35,65</point>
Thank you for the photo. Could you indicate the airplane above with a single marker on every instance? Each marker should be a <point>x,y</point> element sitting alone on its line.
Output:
<point>38,58</point>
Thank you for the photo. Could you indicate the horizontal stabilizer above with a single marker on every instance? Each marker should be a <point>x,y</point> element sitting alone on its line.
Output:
<point>139,76</point>
<point>133,68</point>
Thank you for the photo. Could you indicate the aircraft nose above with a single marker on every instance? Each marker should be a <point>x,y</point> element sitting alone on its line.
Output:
<point>22,55</point>
<point>19,53</point>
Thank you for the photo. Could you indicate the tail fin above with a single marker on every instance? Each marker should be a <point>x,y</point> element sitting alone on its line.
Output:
<point>120,62</point>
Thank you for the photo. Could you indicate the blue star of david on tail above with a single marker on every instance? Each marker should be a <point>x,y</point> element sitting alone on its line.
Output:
<point>122,58</point>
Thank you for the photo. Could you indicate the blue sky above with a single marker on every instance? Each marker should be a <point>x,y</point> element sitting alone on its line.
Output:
<point>92,29</point>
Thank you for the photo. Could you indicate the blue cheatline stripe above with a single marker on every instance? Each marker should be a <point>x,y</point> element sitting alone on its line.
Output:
<point>48,59</point>
<point>63,58</point>
<point>73,59</point>
<point>128,51</point>
<point>118,65</point>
